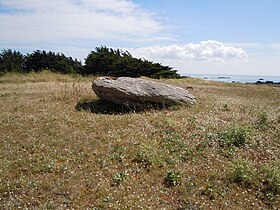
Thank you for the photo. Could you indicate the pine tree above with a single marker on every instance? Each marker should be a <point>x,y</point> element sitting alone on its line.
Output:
<point>11,61</point>
<point>110,62</point>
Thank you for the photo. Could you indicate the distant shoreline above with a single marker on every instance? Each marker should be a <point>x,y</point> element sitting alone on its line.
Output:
<point>238,78</point>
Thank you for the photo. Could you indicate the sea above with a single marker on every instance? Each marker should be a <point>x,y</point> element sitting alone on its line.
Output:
<point>236,78</point>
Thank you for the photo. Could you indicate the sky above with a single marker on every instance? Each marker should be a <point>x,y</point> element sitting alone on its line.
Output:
<point>238,37</point>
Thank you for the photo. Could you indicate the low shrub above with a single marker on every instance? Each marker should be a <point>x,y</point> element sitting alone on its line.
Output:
<point>173,178</point>
<point>237,136</point>
<point>243,173</point>
<point>144,157</point>
<point>262,120</point>
<point>271,183</point>
<point>120,177</point>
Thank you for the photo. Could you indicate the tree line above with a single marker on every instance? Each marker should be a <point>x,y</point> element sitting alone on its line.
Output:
<point>14,61</point>
<point>102,62</point>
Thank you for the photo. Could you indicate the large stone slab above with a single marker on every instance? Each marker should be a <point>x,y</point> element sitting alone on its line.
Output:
<point>132,92</point>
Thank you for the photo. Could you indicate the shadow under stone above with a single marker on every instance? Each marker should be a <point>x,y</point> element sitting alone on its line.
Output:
<point>104,107</point>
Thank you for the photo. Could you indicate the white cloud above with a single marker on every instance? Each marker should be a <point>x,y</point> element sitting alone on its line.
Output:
<point>118,6</point>
<point>64,20</point>
<point>249,45</point>
<point>205,50</point>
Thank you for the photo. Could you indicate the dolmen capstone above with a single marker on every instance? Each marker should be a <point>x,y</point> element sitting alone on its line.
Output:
<point>133,92</point>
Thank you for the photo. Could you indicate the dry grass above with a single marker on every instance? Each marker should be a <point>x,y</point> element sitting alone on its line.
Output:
<point>53,156</point>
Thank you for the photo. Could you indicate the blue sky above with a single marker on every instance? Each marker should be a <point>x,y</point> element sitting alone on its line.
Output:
<point>193,36</point>
<point>226,20</point>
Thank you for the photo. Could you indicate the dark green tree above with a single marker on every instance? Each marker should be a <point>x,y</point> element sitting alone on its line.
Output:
<point>102,61</point>
<point>11,61</point>
<point>110,62</point>
<point>42,60</point>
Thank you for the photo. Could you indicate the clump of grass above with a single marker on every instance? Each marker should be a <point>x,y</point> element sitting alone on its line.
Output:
<point>170,122</point>
<point>175,147</point>
<point>210,190</point>
<point>144,157</point>
<point>120,177</point>
<point>166,151</point>
<point>173,178</point>
<point>262,120</point>
<point>118,153</point>
<point>50,166</point>
<point>271,183</point>
<point>226,107</point>
<point>237,136</point>
<point>243,173</point>
<point>228,151</point>
<point>266,180</point>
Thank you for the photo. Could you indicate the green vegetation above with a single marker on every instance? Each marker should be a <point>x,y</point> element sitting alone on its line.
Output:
<point>243,173</point>
<point>271,183</point>
<point>120,177</point>
<point>262,121</point>
<point>62,148</point>
<point>173,178</point>
<point>266,181</point>
<point>237,136</point>
<point>11,61</point>
<point>14,61</point>
<point>40,60</point>
<point>110,62</point>
<point>102,62</point>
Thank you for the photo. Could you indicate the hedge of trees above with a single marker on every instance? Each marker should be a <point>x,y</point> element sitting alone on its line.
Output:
<point>107,61</point>
<point>14,61</point>
<point>103,61</point>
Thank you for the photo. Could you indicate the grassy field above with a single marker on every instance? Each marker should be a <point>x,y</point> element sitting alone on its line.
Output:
<point>59,148</point>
